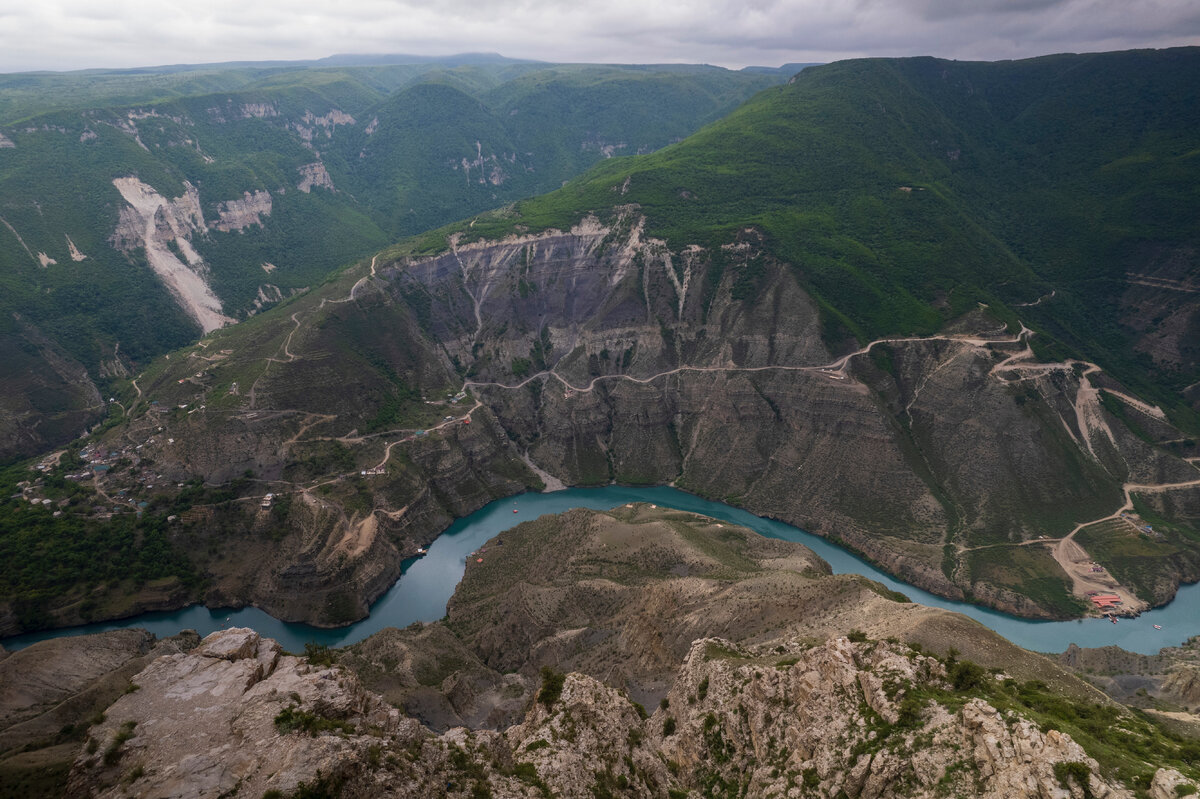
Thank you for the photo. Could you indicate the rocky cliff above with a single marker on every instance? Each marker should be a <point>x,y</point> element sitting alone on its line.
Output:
<point>779,706</point>
<point>599,354</point>
<point>235,718</point>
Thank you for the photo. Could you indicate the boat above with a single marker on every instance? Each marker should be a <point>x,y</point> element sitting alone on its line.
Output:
<point>1113,619</point>
<point>1158,626</point>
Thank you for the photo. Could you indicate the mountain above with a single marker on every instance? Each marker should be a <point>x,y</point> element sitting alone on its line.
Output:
<point>142,208</point>
<point>640,651</point>
<point>788,69</point>
<point>822,308</point>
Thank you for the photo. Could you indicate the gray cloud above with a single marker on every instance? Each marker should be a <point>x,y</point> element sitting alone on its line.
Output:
<point>75,34</point>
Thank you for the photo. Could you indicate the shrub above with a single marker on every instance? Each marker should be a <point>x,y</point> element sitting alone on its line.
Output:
<point>1069,770</point>
<point>319,654</point>
<point>552,686</point>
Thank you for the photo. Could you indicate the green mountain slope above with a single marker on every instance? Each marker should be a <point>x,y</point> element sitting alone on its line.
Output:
<point>904,191</point>
<point>820,308</point>
<point>294,171</point>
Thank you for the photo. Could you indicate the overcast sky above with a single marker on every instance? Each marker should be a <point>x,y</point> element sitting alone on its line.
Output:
<point>77,34</point>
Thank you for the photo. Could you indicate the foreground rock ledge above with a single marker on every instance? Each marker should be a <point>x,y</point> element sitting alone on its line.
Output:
<point>237,717</point>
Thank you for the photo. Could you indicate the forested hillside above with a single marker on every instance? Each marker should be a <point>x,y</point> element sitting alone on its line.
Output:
<point>141,208</point>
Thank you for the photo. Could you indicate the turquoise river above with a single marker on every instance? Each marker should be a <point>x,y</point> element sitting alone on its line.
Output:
<point>427,583</point>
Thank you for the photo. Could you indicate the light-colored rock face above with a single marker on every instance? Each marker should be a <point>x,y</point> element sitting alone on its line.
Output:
<point>203,724</point>
<point>154,223</point>
<point>5,142</point>
<point>258,111</point>
<point>314,175</point>
<point>241,214</point>
<point>229,719</point>
<point>76,255</point>
<point>1165,783</point>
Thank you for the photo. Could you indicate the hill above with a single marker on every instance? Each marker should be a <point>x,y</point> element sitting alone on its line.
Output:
<point>817,308</point>
<point>139,209</point>
<point>644,651</point>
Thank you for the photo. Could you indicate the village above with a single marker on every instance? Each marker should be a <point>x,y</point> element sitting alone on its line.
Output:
<point>105,478</point>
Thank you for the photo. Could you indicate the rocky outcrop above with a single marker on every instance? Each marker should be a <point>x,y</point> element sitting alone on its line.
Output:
<point>314,175</point>
<point>236,717</point>
<point>1170,784</point>
<point>235,714</point>
<point>1015,758</point>
<point>257,111</point>
<point>164,228</point>
<point>241,214</point>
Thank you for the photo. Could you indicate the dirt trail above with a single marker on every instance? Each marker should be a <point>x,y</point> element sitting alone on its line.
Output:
<point>306,425</point>
<point>1036,302</point>
<point>21,240</point>
<point>361,281</point>
<point>836,369</point>
<point>1076,562</point>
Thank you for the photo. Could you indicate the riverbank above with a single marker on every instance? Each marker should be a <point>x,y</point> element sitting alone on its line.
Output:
<point>427,583</point>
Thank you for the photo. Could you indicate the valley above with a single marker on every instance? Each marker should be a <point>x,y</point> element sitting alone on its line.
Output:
<point>507,390</point>
<point>143,217</point>
<point>684,617</point>
<point>323,520</point>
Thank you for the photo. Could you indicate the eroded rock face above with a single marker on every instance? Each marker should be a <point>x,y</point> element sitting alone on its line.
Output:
<point>241,214</point>
<point>156,224</point>
<point>203,724</point>
<point>229,719</point>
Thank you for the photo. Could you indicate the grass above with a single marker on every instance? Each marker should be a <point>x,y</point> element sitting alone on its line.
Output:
<point>293,719</point>
<point>1009,195</point>
<point>1135,558</point>
<point>1029,571</point>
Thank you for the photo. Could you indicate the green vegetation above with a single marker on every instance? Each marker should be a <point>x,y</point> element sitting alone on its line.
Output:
<point>319,654</point>
<point>51,560</point>
<point>552,686</point>
<point>113,753</point>
<point>904,191</point>
<point>1027,570</point>
<point>1072,775</point>
<point>293,719</point>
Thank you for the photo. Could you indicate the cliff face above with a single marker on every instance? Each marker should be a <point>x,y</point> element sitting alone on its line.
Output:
<point>531,686</point>
<point>598,355</point>
<point>607,356</point>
